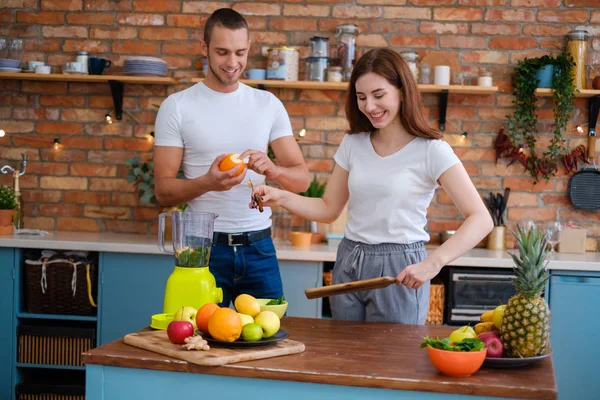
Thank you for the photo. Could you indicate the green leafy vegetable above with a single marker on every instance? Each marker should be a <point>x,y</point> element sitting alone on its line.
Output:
<point>191,258</point>
<point>275,302</point>
<point>446,344</point>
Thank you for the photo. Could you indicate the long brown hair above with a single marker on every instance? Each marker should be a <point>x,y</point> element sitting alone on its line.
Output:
<point>391,66</point>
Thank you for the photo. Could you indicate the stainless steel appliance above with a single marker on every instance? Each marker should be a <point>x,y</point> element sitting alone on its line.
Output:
<point>471,291</point>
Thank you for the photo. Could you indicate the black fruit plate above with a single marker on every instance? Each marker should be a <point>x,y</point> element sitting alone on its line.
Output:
<point>513,362</point>
<point>240,343</point>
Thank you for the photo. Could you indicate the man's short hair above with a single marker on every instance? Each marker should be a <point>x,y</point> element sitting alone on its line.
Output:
<point>225,17</point>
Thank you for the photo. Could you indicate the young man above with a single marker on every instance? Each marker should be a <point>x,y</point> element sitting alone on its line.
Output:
<point>197,127</point>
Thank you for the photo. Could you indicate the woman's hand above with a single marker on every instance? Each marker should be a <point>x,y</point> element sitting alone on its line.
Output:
<point>260,163</point>
<point>414,276</point>
<point>269,196</point>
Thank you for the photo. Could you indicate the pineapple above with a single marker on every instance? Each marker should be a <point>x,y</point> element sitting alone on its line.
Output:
<point>526,322</point>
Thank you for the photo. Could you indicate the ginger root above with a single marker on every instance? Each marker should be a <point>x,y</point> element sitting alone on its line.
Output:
<point>196,343</point>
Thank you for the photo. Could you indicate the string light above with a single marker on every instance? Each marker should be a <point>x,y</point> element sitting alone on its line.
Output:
<point>56,144</point>
<point>108,119</point>
<point>2,133</point>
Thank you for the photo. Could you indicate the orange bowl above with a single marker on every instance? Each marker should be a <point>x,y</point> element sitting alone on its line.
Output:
<point>456,363</point>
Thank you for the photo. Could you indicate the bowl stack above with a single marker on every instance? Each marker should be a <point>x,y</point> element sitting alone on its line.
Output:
<point>145,66</point>
<point>8,65</point>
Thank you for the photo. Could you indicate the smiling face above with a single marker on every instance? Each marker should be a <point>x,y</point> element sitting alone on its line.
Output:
<point>378,100</point>
<point>227,56</point>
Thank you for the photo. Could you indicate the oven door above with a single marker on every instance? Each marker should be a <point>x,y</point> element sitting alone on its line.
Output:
<point>473,291</point>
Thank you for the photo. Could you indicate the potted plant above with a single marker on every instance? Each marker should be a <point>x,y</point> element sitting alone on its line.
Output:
<point>8,203</point>
<point>316,189</point>
<point>522,129</point>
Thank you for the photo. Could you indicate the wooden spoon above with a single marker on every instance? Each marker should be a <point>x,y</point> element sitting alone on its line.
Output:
<point>350,287</point>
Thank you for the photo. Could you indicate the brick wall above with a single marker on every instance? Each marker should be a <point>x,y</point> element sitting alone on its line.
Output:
<point>83,187</point>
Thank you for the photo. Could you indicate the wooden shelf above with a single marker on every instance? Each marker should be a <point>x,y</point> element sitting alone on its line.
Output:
<point>344,86</point>
<point>151,80</point>
<point>584,93</point>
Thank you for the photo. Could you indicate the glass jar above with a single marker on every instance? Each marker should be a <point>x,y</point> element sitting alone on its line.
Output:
<point>485,79</point>
<point>411,59</point>
<point>315,68</point>
<point>83,58</point>
<point>346,34</point>
<point>334,74</point>
<point>577,45</point>
<point>425,74</point>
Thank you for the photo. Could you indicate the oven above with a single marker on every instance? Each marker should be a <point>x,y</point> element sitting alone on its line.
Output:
<point>471,291</point>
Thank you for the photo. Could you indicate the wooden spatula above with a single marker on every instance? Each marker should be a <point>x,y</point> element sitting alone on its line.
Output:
<point>350,287</point>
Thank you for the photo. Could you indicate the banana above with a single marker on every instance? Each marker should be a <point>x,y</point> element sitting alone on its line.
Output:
<point>483,327</point>
<point>487,316</point>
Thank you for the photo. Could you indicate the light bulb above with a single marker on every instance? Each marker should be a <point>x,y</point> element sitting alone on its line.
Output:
<point>2,133</point>
<point>302,132</point>
<point>579,129</point>
<point>149,137</point>
<point>56,144</point>
<point>108,119</point>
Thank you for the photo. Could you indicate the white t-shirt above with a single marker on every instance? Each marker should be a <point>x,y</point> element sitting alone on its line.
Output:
<point>206,124</point>
<point>389,195</point>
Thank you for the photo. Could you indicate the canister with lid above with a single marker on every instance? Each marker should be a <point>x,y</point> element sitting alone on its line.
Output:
<point>334,74</point>
<point>83,58</point>
<point>282,64</point>
<point>319,46</point>
<point>577,46</point>
<point>315,68</point>
<point>346,34</point>
<point>411,59</point>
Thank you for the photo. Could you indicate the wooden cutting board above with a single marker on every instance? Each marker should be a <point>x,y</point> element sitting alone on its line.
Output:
<point>158,342</point>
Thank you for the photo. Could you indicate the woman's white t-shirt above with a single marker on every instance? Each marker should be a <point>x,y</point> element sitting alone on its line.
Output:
<point>389,196</point>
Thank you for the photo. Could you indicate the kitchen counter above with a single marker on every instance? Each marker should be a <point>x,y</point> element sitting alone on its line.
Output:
<point>144,244</point>
<point>347,359</point>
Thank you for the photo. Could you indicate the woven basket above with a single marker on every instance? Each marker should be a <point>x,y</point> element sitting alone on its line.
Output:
<point>436,304</point>
<point>60,286</point>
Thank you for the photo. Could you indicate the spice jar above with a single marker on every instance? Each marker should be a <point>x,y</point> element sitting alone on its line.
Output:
<point>411,59</point>
<point>577,45</point>
<point>334,74</point>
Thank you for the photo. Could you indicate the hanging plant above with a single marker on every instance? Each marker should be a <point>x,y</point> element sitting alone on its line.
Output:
<point>522,123</point>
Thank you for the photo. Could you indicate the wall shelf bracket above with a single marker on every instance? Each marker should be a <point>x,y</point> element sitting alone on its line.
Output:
<point>593,108</point>
<point>443,105</point>
<point>116,88</point>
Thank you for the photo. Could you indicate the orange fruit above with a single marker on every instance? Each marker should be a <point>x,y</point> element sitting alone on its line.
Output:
<point>204,314</point>
<point>231,161</point>
<point>225,325</point>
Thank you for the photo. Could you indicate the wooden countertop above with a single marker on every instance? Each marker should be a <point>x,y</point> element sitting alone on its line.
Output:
<point>345,353</point>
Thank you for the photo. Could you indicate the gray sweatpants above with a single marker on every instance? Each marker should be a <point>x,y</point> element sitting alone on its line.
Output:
<point>395,304</point>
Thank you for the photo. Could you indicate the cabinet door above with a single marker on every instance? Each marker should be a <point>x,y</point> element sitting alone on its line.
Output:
<point>7,316</point>
<point>574,304</point>
<point>132,289</point>
<point>296,277</point>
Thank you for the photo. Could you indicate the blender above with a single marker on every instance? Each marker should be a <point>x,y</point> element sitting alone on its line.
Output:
<point>191,283</point>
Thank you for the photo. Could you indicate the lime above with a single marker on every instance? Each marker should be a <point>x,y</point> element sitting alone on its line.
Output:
<point>252,332</point>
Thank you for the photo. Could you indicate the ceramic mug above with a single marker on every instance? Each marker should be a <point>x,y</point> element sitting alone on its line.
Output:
<point>96,65</point>
<point>42,69</point>
<point>32,65</point>
<point>255,74</point>
<point>442,75</point>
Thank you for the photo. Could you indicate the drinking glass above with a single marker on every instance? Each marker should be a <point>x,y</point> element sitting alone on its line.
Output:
<point>553,234</point>
<point>16,50</point>
<point>3,48</point>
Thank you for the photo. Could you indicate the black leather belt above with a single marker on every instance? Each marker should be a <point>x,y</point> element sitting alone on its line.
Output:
<point>241,238</point>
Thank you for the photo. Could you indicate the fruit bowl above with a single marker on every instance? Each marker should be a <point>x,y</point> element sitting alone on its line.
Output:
<point>278,309</point>
<point>456,363</point>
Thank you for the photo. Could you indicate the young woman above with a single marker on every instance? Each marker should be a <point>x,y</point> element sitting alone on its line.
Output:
<point>388,167</point>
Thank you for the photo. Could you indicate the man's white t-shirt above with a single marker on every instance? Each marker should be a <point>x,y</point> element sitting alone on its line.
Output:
<point>389,195</point>
<point>206,124</point>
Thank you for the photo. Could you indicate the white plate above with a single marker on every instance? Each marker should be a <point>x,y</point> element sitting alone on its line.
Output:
<point>6,69</point>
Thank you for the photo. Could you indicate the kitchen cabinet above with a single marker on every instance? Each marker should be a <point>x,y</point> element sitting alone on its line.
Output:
<point>574,303</point>
<point>298,276</point>
<point>132,289</point>
<point>7,316</point>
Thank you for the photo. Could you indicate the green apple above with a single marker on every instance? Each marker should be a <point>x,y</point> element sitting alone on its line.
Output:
<point>186,313</point>
<point>246,319</point>
<point>464,332</point>
<point>269,322</point>
<point>498,315</point>
<point>252,332</point>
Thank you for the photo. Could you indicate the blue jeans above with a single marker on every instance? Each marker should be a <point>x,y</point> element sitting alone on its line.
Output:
<point>251,269</point>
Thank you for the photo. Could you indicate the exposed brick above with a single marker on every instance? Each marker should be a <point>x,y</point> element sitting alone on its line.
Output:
<point>330,24</point>
<point>113,33</point>
<point>145,214</point>
<point>35,113</point>
<point>81,18</point>
<point>292,24</point>
<point>46,18</point>
<point>124,199</point>
<point>57,128</point>
<point>64,101</point>
<point>510,15</point>
<point>411,13</point>
<point>65,31</point>
<point>443,28</point>
<point>82,114</point>
<point>157,5</point>
<point>356,12</point>
<point>413,41</point>
<point>257,9</point>
<point>62,210</point>
<point>110,185</point>
<point>485,57</point>
<point>45,224</point>
<point>163,33</point>
<point>41,196</point>
<point>135,47</point>
<point>268,37</point>
<point>432,2</point>
<point>536,3</point>
<point>93,211</point>
<point>62,155</point>
<point>571,16</point>
<point>581,3</point>
<point>141,19</point>
<point>63,183</point>
<point>77,142</point>
<point>17,127</point>
<point>67,5</point>
<point>306,10</point>
<point>18,4</point>
<point>467,42</point>
<point>17,99</point>
<point>371,41</point>
<point>107,5</point>
<point>545,30</point>
<point>457,14</point>
<point>203,7</point>
<point>21,31</point>
<point>128,144</point>
<point>483,2</point>
<point>77,224</point>
<point>45,45</point>
<point>87,197</point>
<point>182,48</point>
<point>513,43</point>
<point>6,16</point>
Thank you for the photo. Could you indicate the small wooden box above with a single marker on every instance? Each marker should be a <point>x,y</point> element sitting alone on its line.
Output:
<point>572,240</point>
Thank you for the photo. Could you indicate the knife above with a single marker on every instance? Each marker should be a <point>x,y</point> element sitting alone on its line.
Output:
<point>255,196</point>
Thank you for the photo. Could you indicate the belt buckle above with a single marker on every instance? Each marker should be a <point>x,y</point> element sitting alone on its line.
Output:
<point>231,237</point>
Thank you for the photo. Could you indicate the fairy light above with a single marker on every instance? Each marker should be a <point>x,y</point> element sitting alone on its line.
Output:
<point>2,133</point>
<point>56,144</point>
<point>108,119</point>
<point>302,133</point>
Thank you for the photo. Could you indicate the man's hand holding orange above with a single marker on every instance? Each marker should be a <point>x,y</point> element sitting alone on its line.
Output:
<point>218,180</point>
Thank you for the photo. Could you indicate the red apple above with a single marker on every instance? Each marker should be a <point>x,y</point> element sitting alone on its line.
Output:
<point>178,331</point>
<point>493,343</point>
